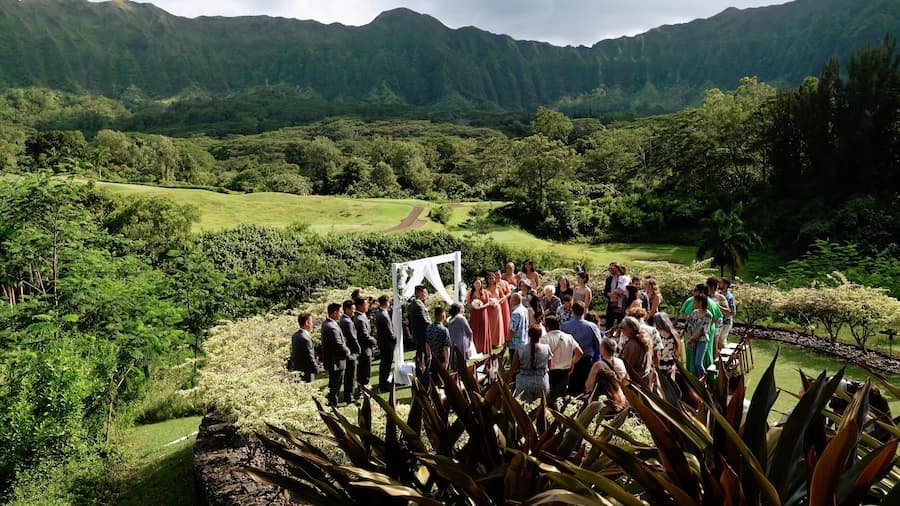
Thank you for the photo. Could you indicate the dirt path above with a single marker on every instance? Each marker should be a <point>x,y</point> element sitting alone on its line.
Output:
<point>410,222</point>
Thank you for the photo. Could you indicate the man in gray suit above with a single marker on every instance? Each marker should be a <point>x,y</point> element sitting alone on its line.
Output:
<point>303,355</point>
<point>349,330</point>
<point>419,322</point>
<point>365,339</point>
<point>334,352</point>
<point>384,331</point>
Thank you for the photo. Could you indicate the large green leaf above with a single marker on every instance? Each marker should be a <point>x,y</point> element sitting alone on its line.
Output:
<point>602,483</point>
<point>825,479</point>
<point>410,435</point>
<point>670,450</point>
<point>395,490</point>
<point>556,496</point>
<point>457,475</point>
<point>299,491</point>
<point>856,482</point>
<point>784,471</point>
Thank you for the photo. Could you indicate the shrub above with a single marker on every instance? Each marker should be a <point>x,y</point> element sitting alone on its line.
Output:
<point>441,214</point>
<point>676,282</point>
<point>756,302</point>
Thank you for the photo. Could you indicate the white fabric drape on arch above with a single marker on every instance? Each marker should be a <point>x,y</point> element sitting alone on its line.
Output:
<point>404,288</point>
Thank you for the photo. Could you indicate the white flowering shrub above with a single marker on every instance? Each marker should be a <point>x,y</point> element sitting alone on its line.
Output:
<point>245,378</point>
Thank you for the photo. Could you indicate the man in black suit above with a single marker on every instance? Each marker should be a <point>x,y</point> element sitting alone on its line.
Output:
<point>303,355</point>
<point>419,322</point>
<point>384,331</point>
<point>349,330</point>
<point>334,352</point>
<point>365,339</point>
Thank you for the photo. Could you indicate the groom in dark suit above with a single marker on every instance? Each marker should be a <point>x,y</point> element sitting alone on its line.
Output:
<point>419,321</point>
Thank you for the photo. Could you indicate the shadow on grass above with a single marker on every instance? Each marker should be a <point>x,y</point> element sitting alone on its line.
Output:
<point>168,481</point>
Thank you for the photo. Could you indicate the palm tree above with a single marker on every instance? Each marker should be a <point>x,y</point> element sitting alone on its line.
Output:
<point>727,239</point>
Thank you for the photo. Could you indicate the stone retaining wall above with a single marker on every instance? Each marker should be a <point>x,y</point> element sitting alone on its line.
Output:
<point>218,453</point>
<point>880,362</point>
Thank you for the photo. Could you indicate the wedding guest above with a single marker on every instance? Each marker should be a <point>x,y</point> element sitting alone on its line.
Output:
<point>672,344</point>
<point>637,353</point>
<point>564,313</point>
<point>728,309</point>
<point>614,291</point>
<point>477,302</point>
<point>334,352</point>
<point>563,287</point>
<point>530,274</point>
<point>565,352</point>
<point>518,323</point>
<point>549,301</point>
<point>651,288</point>
<point>510,276</point>
<point>588,337</point>
<point>419,321</point>
<point>384,332</point>
<point>582,292</point>
<point>303,354</point>
<point>366,341</point>
<point>530,365</point>
<point>504,289</point>
<point>697,329</point>
<point>607,377</point>
<point>438,340</point>
<point>493,312</point>
<point>348,328</point>
<point>461,335</point>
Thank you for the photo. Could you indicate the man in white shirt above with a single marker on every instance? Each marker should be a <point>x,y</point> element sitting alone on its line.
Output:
<point>565,352</point>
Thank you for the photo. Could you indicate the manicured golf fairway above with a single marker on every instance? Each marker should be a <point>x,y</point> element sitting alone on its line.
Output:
<point>342,214</point>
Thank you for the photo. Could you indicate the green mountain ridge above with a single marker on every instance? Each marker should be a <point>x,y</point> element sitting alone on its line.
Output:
<point>403,57</point>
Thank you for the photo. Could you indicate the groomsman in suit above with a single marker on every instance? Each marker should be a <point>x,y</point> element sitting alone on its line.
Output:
<point>419,322</point>
<point>303,355</point>
<point>384,331</point>
<point>349,331</point>
<point>365,339</point>
<point>334,352</point>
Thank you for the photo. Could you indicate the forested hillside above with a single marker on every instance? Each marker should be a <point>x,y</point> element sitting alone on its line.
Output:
<point>407,58</point>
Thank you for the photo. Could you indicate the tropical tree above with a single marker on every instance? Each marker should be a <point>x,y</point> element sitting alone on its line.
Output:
<point>552,124</point>
<point>726,237</point>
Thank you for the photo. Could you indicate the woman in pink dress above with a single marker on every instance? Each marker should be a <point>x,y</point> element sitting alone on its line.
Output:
<point>493,314</point>
<point>477,302</point>
<point>506,290</point>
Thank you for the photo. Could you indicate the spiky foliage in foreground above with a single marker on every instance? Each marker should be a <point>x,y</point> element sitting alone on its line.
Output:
<point>472,442</point>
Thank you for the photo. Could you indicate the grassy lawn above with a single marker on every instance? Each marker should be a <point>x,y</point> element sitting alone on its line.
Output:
<point>794,358</point>
<point>153,471</point>
<point>323,214</point>
<point>341,214</point>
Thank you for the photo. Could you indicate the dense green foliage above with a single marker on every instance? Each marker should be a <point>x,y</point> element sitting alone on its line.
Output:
<point>99,296</point>
<point>406,59</point>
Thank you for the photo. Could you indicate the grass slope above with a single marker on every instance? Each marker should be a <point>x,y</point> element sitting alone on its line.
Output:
<point>152,469</point>
<point>341,214</point>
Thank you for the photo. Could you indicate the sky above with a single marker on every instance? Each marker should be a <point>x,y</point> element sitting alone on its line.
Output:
<point>560,22</point>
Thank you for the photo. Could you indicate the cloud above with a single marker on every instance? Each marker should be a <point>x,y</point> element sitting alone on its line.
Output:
<point>557,21</point>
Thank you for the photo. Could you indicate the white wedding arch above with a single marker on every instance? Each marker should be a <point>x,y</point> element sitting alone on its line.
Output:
<point>406,276</point>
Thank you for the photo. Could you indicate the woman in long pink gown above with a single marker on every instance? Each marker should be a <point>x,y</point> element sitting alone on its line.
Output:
<point>505,290</point>
<point>493,319</point>
<point>476,316</point>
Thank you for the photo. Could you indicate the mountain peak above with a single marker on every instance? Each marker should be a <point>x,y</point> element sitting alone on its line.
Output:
<point>403,15</point>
